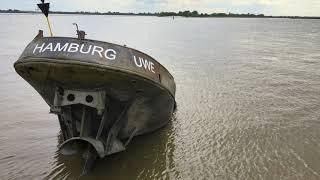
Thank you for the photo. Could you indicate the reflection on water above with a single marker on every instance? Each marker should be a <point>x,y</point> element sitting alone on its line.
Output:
<point>247,92</point>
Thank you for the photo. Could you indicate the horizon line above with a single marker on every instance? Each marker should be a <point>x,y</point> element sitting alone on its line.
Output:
<point>186,13</point>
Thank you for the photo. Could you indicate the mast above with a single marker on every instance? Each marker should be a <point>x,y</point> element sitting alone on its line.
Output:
<point>44,7</point>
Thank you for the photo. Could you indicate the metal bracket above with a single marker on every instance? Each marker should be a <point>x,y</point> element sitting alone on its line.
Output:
<point>95,99</point>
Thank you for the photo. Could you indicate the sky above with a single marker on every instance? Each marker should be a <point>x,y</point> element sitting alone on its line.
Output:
<point>267,7</point>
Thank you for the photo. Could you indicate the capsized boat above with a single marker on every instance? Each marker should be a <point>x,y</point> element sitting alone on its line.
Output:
<point>103,94</point>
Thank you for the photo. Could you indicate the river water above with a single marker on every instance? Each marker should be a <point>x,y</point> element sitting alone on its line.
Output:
<point>248,96</point>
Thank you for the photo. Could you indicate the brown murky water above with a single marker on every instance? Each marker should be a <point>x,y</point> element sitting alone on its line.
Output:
<point>248,94</point>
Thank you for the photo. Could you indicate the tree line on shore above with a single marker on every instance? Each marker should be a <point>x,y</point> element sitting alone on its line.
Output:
<point>166,14</point>
<point>196,14</point>
<point>161,14</point>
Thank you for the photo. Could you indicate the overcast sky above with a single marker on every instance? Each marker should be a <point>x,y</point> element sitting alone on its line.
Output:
<point>267,7</point>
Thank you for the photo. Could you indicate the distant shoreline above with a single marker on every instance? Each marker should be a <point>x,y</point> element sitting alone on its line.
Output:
<point>193,14</point>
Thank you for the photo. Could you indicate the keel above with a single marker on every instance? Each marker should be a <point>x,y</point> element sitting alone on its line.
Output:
<point>94,127</point>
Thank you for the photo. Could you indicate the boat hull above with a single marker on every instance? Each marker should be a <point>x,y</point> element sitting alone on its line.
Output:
<point>104,94</point>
